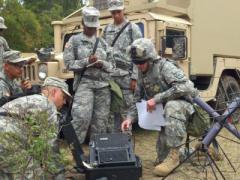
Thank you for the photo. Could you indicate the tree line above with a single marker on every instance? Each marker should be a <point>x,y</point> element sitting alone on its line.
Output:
<point>29,21</point>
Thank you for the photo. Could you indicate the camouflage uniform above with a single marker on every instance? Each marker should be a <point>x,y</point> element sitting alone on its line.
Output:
<point>3,47</point>
<point>91,104</point>
<point>3,43</point>
<point>8,87</point>
<point>17,110</point>
<point>20,108</point>
<point>125,71</point>
<point>166,83</point>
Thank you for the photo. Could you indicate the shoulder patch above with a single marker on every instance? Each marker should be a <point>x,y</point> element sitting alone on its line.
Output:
<point>178,74</point>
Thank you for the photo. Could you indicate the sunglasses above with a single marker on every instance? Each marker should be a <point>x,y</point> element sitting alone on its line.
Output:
<point>116,12</point>
<point>19,65</point>
<point>137,62</point>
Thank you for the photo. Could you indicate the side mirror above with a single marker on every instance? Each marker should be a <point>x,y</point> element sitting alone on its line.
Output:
<point>174,47</point>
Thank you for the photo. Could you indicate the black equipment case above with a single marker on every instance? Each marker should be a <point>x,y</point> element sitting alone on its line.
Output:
<point>113,158</point>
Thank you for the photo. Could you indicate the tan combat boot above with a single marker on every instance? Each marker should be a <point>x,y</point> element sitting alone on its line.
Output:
<point>216,155</point>
<point>171,161</point>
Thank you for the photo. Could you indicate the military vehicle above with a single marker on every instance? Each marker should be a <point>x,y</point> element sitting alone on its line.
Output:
<point>201,35</point>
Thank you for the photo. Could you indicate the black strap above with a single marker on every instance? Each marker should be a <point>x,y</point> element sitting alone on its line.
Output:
<point>95,46</point>
<point>119,33</point>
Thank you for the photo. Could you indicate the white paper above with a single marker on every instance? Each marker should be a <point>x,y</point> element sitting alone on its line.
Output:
<point>150,121</point>
<point>92,64</point>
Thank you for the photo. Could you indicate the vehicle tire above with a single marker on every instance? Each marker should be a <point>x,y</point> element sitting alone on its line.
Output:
<point>228,90</point>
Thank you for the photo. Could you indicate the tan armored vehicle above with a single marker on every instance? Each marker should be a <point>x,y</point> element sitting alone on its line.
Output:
<point>202,35</point>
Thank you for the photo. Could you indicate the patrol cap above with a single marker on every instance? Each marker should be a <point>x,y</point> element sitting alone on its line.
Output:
<point>13,56</point>
<point>142,50</point>
<point>56,82</point>
<point>91,17</point>
<point>115,5</point>
<point>2,25</point>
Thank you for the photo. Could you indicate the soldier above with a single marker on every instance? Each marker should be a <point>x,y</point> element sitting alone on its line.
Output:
<point>90,59</point>
<point>12,69</point>
<point>53,97</point>
<point>3,43</point>
<point>162,81</point>
<point>119,35</point>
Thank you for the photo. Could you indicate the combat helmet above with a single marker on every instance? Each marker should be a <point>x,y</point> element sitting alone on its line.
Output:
<point>2,25</point>
<point>142,50</point>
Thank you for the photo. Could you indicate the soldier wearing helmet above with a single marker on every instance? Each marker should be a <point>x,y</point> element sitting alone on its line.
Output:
<point>162,81</point>
<point>3,43</point>
<point>119,35</point>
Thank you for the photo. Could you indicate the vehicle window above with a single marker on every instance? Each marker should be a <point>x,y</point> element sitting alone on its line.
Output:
<point>174,44</point>
<point>171,34</point>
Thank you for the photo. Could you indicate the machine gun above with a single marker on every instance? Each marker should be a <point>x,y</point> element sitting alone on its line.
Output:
<point>219,122</point>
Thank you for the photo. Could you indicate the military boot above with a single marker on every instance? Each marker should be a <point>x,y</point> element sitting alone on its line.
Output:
<point>171,161</point>
<point>214,153</point>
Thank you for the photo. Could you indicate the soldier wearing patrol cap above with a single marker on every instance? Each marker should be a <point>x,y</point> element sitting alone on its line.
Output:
<point>162,81</point>
<point>3,43</point>
<point>12,69</point>
<point>54,95</point>
<point>120,34</point>
<point>90,59</point>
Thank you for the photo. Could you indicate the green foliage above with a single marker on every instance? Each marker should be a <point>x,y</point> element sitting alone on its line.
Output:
<point>23,27</point>
<point>29,21</point>
<point>29,148</point>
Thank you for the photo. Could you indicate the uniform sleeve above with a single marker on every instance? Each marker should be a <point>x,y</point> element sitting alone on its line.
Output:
<point>104,33</point>
<point>4,90</point>
<point>136,33</point>
<point>5,45</point>
<point>132,111</point>
<point>108,65</point>
<point>179,84</point>
<point>69,58</point>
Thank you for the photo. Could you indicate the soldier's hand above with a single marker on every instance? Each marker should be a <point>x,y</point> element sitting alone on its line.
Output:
<point>133,84</point>
<point>151,105</point>
<point>98,65</point>
<point>92,59</point>
<point>25,84</point>
<point>126,125</point>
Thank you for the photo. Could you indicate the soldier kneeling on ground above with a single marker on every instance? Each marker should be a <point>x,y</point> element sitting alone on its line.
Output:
<point>162,81</point>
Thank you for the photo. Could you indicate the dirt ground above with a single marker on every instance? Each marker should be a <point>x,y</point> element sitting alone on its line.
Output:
<point>145,148</point>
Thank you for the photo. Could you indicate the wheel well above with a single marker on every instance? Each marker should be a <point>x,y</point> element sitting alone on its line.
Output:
<point>232,72</point>
<point>235,73</point>
<point>201,82</point>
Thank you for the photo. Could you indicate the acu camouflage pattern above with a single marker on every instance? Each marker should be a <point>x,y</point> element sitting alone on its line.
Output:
<point>125,71</point>
<point>8,87</point>
<point>91,103</point>
<point>18,109</point>
<point>122,59</point>
<point>166,83</point>
<point>3,47</point>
